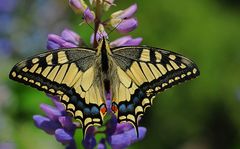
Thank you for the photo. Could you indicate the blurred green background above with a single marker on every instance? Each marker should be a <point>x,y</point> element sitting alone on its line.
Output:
<point>200,114</point>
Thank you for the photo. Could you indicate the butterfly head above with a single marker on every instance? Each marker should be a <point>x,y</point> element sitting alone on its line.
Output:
<point>103,44</point>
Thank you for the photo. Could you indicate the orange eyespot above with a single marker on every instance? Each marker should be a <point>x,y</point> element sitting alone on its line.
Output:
<point>114,108</point>
<point>103,110</point>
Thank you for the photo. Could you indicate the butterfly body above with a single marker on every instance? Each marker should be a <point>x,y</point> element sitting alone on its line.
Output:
<point>82,76</point>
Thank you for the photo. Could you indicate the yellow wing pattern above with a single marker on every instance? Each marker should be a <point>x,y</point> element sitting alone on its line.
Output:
<point>141,73</point>
<point>70,74</point>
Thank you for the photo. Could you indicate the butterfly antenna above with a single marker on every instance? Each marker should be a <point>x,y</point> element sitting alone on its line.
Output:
<point>116,26</point>
<point>88,23</point>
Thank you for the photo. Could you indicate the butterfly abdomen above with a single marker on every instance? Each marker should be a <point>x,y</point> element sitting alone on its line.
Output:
<point>104,60</point>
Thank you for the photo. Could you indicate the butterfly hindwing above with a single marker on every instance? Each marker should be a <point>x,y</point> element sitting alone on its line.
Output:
<point>147,71</point>
<point>70,74</point>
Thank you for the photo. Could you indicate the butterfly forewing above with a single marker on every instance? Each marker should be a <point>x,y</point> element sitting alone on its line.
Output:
<point>142,73</point>
<point>70,74</point>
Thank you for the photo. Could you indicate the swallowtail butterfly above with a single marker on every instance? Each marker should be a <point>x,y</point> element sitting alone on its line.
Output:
<point>79,76</point>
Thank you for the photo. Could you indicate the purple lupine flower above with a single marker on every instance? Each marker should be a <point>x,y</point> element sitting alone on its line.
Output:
<point>62,127</point>
<point>56,122</point>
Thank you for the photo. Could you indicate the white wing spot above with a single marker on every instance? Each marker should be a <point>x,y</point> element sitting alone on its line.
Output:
<point>31,81</point>
<point>14,74</point>
<point>170,81</point>
<point>177,78</point>
<point>25,78</point>
<point>164,84</point>
<point>35,60</point>
<point>169,68</point>
<point>183,66</point>
<point>194,71</point>
<point>157,88</point>
<point>183,75</point>
<point>38,83</point>
<point>25,69</point>
<point>173,57</point>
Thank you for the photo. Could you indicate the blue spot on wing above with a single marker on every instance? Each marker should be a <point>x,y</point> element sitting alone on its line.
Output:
<point>135,100</point>
<point>122,108</point>
<point>94,111</point>
<point>74,100</point>
<point>87,111</point>
<point>130,108</point>
<point>80,105</point>
<point>140,94</point>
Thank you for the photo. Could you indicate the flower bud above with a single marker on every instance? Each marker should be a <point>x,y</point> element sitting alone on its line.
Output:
<point>89,15</point>
<point>68,39</point>
<point>127,13</point>
<point>79,6</point>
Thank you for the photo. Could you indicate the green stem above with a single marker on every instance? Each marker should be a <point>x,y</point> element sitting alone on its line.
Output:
<point>97,21</point>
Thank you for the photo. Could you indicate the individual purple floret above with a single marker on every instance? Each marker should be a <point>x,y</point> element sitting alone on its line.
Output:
<point>88,15</point>
<point>79,6</point>
<point>68,39</point>
<point>70,36</point>
<point>127,25</point>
